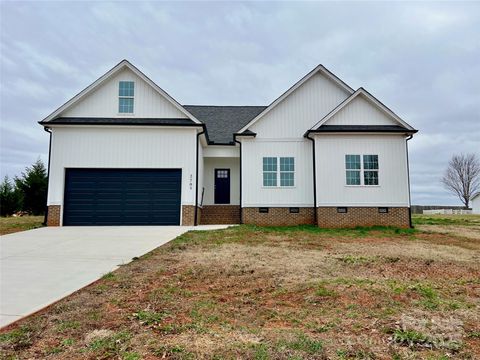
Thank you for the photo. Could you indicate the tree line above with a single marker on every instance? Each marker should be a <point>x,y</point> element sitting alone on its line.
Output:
<point>27,192</point>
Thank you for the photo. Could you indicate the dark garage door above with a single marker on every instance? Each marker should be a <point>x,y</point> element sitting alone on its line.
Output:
<point>122,197</point>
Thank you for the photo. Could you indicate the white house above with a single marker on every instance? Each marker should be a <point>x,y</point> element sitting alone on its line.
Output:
<point>123,151</point>
<point>475,202</point>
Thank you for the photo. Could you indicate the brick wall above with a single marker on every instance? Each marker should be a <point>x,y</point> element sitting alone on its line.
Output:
<point>188,214</point>
<point>53,216</point>
<point>328,217</point>
<point>278,216</point>
<point>220,214</point>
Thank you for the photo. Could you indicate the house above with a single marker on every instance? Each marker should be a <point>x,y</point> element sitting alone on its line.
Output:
<point>124,152</point>
<point>475,202</point>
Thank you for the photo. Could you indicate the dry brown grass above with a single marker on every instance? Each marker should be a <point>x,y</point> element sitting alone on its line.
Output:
<point>9,225</point>
<point>258,293</point>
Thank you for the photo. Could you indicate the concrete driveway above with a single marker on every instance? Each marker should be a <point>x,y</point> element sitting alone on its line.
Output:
<point>41,266</point>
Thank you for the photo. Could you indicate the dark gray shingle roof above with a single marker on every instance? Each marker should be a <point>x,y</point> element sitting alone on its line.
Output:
<point>118,121</point>
<point>223,121</point>
<point>363,128</point>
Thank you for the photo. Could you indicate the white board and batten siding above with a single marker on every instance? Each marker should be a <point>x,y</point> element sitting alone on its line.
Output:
<point>476,204</point>
<point>122,148</point>
<point>280,134</point>
<point>301,109</point>
<point>212,163</point>
<point>360,112</point>
<point>103,101</point>
<point>254,194</point>
<point>330,151</point>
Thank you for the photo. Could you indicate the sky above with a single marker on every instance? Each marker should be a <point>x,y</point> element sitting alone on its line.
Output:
<point>421,59</point>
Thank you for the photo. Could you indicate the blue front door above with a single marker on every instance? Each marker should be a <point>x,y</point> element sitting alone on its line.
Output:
<point>222,186</point>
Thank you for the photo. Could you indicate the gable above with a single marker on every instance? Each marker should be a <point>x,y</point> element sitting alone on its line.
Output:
<point>359,111</point>
<point>302,108</point>
<point>103,100</point>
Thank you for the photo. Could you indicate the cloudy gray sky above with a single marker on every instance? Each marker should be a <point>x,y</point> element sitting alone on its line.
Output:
<point>421,59</point>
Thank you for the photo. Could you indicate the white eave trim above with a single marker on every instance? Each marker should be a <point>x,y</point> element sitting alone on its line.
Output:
<point>319,68</point>
<point>370,98</point>
<point>122,64</point>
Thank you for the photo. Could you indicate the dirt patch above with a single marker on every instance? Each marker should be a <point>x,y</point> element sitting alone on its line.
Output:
<point>265,293</point>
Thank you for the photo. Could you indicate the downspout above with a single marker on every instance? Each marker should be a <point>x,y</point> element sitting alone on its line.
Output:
<point>314,178</point>
<point>196,177</point>
<point>48,173</point>
<point>408,176</point>
<point>240,144</point>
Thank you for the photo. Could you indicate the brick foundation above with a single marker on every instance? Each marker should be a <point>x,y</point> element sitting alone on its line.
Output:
<point>220,214</point>
<point>278,216</point>
<point>328,217</point>
<point>188,215</point>
<point>54,214</point>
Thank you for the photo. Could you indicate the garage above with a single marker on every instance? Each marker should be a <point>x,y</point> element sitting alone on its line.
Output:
<point>122,197</point>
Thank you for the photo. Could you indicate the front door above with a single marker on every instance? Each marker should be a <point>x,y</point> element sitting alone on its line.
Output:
<point>222,186</point>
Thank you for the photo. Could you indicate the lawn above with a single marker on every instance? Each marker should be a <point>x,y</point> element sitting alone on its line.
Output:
<point>273,293</point>
<point>9,225</point>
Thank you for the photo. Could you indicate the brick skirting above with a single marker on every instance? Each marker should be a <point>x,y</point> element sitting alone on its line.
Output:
<point>53,215</point>
<point>278,216</point>
<point>188,214</point>
<point>220,214</point>
<point>328,217</point>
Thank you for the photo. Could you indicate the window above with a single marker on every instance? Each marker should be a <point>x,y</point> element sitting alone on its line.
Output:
<point>126,90</point>
<point>370,166</point>
<point>353,166</point>
<point>274,178</point>
<point>287,171</point>
<point>269,171</point>
<point>361,173</point>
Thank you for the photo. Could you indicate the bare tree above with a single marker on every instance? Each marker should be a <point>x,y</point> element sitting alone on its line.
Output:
<point>462,176</point>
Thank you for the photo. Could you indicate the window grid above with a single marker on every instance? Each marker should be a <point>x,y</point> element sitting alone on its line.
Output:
<point>269,171</point>
<point>287,171</point>
<point>126,92</point>
<point>359,172</point>
<point>274,178</point>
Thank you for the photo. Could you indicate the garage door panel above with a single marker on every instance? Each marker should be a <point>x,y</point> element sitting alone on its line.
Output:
<point>122,197</point>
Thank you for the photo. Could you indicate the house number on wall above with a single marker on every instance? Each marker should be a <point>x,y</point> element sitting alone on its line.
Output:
<point>191,182</point>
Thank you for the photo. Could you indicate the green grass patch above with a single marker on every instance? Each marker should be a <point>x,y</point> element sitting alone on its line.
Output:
<point>149,318</point>
<point>440,219</point>
<point>323,291</point>
<point>111,346</point>
<point>18,338</point>
<point>303,343</point>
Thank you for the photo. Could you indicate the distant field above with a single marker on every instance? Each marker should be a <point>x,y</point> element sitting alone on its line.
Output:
<point>439,219</point>
<point>12,224</point>
<point>459,225</point>
<point>276,293</point>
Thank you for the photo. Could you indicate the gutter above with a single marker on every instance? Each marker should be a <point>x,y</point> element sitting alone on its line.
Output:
<point>314,177</point>
<point>408,176</point>
<point>240,144</point>
<point>195,220</point>
<point>48,173</point>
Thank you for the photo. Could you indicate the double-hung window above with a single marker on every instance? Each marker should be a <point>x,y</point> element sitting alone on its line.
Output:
<point>361,169</point>
<point>278,176</point>
<point>126,92</point>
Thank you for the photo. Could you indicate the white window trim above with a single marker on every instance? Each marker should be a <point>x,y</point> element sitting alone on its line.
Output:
<point>362,178</point>
<point>126,97</point>
<point>278,186</point>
